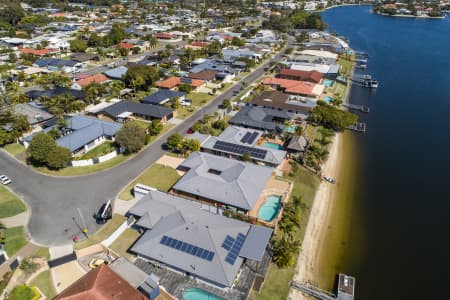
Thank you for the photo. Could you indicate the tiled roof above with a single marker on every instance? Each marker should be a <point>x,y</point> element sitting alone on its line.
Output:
<point>294,86</point>
<point>38,52</point>
<point>174,81</point>
<point>97,78</point>
<point>312,76</point>
<point>101,284</point>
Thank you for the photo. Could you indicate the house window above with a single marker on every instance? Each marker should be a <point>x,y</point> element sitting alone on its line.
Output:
<point>214,171</point>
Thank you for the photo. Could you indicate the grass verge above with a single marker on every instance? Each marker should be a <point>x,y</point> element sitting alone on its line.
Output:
<point>44,282</point>
<point>14,149</point>
<point>102,234</point>
<point>14,240</point>
<point>42,252</point>
<point>276,285</point>
<point>100,150</point>
<point>124,242</point>
<point>10,205</point>
<point>157,176</point>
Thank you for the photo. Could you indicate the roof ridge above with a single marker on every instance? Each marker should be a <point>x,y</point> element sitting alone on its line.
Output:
<point>222,264</point>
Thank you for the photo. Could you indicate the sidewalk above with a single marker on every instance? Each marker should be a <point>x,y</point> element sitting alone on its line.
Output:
<point>17,220</point>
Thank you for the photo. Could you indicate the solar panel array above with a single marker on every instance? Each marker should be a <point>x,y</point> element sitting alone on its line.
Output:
<point>233,246</point>
<point>249,137</point>
<point>240,149</point>
<point>187,248</point>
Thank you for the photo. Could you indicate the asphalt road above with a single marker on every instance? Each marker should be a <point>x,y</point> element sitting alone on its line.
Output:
<point>56,201</point>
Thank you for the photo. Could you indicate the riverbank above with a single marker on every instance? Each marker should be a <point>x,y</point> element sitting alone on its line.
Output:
<point>316,230</point>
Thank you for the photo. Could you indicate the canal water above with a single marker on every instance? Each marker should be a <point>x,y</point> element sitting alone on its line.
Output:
<point>394,200</point>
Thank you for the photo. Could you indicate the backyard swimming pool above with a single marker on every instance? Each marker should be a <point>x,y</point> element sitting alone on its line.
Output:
<point>327,99</point>
<point>272,145</point>
<point>291,129</point>
<point>328,82</point>
<point>199,294</point>
<point>269,210</point>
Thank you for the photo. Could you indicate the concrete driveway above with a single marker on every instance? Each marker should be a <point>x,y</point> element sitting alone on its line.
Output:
<point>56,201</point>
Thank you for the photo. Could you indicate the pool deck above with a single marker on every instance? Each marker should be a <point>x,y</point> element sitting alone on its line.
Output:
<point>273,187</point>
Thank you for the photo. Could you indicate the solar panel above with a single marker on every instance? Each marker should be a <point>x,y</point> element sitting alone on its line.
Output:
<point>252,138</point>
<point>239,149</point>
<point>245,138</point>
<point>235,248</point>
<point>188,248</point>
<point>228,243</point>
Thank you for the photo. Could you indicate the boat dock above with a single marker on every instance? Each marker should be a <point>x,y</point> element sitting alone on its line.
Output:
<point>345,289</point>
<point>359,127</point>
<point>362,108</point>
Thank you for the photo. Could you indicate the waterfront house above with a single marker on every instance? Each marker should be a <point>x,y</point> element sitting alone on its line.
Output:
<point>182,237</point>
<point>295,87</point>
<point>261,118</point>
<point>297,106</point>
<point>309,76</point>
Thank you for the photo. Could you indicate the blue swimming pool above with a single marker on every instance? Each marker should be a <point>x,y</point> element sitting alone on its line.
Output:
<point>272,145</point>
<point>269,210</point>
<point>199,294</point>
<point>328,82</point>
<point>327,99</point>
<point>291,129</point>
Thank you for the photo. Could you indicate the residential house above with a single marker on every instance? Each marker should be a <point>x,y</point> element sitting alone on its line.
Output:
<point>173,82</point>
<point>222,182</point>
<point>85,80</point>
<point>297,146</point>
<point>181,237</point>
<point>297,106</point>
<point>261,118</point>
<point>231,54</point>
<point>308,76</point>
<point>46,52</point>
<point>101,283</point>
<point>65,65</point>
<point>295,87</point>
<point>329,71</point>
<point>235,141</point>
<point>125,110</point>
<point>196,45</point>
<point>35,115</point>
<point>116,73</point>
<point>29,71</point>
<point>206,75</point>
<point>84,57</point>
<point>224,73</point>
<point>35,94</point>
<point>163,96</point>
<point>81,134</point>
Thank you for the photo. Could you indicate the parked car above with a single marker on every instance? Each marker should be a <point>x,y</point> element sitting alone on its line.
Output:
<point>96,262</point>
<point>330,179</point>
<point>5,180</point>
<point>104,213</point>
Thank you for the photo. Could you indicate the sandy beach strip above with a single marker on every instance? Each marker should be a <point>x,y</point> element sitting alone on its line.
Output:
<point>316,229</point>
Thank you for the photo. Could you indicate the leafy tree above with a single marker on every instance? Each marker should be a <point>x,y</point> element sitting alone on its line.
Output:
<point>174,142</point>
<point>185,87</point>
<point>40,147</point>
<point>141,77</point>
<point>78,45</point>
<point>237,42</point>
<point>11,12</point>
<point>116,34</point>
<point>12,58</point>
<point>332,117</point>
<point>131,137</point>
<point>220,124</point>
<point>123,51</point>
<point>226,104</point>
<point>54,133</point>
<point>58,157</point>
<point>155,127</point>
<point>93,91</point>
<point>285,251</point>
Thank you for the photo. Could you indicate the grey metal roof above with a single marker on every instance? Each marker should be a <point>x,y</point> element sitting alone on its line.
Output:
<point>183,220</point>
<point>260,118</point>
<point>85,130</point>
<point>34,115</point>
<point>54,62</point>
<point>161,96</point>
<point>298,143</point>
<point>154,111</point>
<point>129,272</point>
<point>116,73</point>
<point>255,243</point>
<point>234,134</point>
<point>239,184</point>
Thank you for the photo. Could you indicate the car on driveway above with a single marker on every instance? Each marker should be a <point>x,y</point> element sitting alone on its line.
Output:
<point>96,262</point>
<point>5,180</point>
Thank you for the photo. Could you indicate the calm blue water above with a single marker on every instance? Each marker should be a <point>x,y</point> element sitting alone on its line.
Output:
<point>270,208</point>
<point>402,204</point>
<point>272,145</point>
<point>199,294</point>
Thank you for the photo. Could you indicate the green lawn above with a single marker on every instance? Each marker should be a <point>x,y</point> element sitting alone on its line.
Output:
<point>100,150</point>
<point>346,66</point>
<point>157,176</point>
<point>42,252</point>
<point>277,281</point>
<point>124,242</point>
<point>166,128</point>
<point>14,239</point>
<point>14,149</point>
<point>44,282</point>
<point>75,171</point>
<point>102,234</point>
<point>10,205</point>
<point>198,100</point>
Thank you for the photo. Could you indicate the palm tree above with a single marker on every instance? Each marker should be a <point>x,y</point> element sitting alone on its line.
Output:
<point>285,250</point>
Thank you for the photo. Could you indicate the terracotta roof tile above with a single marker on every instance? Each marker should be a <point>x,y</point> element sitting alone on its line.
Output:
<point>98,78</point>
<point>174,81</point>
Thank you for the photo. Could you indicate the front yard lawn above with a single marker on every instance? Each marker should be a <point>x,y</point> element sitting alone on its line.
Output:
<point>44,282</point>
<point>14,149</point>
<point>14,239</point>
<point>10,205</point>
<point>158,176</point>
<point>102,234</point>
<point>100,150</point>
<point>198,100</point>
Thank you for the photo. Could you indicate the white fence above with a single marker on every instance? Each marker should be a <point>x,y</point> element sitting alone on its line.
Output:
<point>108,242</point>
<point>93,161</point>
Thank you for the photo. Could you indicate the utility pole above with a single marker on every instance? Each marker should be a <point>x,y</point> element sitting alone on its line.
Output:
<point>83,222</point>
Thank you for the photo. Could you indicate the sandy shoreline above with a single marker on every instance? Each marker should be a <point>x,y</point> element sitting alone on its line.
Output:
<point>319,218</point>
